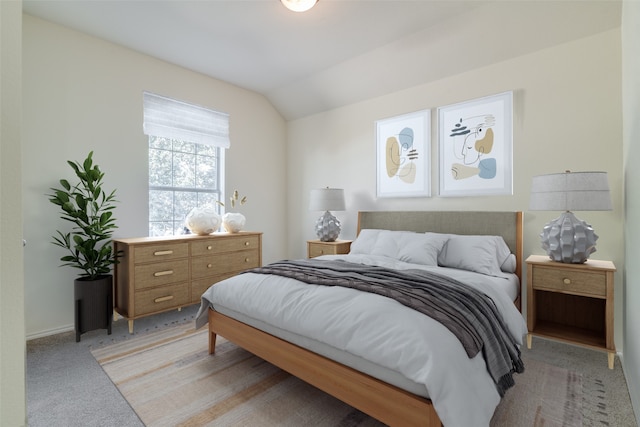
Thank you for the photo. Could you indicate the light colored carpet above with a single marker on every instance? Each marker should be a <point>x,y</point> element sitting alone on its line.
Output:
<point>169,379</point>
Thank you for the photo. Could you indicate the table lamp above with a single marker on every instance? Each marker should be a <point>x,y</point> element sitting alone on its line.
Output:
<point>568,239</point>
<point>327,199</point>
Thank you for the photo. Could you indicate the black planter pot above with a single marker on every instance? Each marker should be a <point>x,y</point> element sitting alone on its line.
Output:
<point>93,304</point>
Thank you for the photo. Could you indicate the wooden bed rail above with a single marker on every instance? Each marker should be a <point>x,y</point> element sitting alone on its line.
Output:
<point>386,403</point>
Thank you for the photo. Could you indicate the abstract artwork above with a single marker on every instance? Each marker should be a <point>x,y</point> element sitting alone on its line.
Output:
<point>475,143</point>
<point>403,155</point>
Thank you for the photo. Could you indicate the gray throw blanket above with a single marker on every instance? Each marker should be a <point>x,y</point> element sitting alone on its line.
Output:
<point>468,313</point>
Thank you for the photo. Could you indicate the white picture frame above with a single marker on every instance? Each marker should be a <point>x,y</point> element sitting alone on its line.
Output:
<point>403,156</point>
<point>475,147</point>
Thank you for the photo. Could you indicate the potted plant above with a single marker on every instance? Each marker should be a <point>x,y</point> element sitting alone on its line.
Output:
<point>90,209</point>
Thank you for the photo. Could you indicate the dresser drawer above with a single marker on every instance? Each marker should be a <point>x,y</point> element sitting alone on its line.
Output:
<point>198,287</point>
<point>160,252</point>
<point>158,274</point>
<point>569,281</point>
<point>162,298</point>
<point>225,263</point>
<point>224,244</point>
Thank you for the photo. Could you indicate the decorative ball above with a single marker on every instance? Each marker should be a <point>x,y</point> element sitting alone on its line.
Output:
<point>203,220</point>
<point>233,222</point>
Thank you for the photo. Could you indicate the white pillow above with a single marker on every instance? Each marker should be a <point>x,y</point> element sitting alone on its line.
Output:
<point>406,246</point>
<point>482,254</point>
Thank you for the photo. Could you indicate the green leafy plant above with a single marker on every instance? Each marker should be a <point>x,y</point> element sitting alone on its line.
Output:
<point>90,209</point>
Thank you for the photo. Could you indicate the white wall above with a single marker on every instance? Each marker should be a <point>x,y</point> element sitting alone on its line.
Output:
<point>567,115</point>
<point>81,94</point>
<point>13,410</point>
<point>631,141</point>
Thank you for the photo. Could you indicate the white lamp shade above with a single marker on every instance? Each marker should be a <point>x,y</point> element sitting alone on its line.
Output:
<point>327,199</point>
<point>570,191</point>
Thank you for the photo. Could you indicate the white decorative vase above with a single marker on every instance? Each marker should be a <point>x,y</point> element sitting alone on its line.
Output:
<point>203,220</point>
<point>233,222</point>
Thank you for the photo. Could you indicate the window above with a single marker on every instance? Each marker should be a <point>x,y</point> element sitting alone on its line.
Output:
<point>186,160</point>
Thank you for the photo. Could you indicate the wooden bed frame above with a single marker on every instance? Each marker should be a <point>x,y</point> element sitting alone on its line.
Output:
<point>387,403</point>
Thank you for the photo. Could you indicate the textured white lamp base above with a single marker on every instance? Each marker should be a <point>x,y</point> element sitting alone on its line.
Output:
<point>568,239</point>
<point>327,227</point>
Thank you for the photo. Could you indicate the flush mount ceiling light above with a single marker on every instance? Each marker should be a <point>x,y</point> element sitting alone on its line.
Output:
<point>299,5</point>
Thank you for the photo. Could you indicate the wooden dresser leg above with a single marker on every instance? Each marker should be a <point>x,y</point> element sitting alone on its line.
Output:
<point>130,326</point>
<point>529,340</point>
<point>612,358</point>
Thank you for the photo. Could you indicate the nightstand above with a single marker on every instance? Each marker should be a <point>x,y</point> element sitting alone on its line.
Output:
<point>571,302</point>
<point>316,248</point>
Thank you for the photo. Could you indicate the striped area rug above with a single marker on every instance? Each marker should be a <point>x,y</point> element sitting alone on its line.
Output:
<point>169,379</point>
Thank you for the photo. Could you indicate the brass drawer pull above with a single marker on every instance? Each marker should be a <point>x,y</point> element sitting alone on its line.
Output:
<point>157,253</point>
<point>247,243</point>
<point>246,260</point>
<point>163,299</point>
<point>566,281</point>
<point>209,247</point>
<point>163,273</point>
<point>209,265</point>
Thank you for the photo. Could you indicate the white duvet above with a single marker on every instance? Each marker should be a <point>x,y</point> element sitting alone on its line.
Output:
<point>381,331</point>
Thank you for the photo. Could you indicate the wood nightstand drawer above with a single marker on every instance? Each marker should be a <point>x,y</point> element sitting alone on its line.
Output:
<point>572,282</point>
<point>160,252</point>
<point>317,248</point>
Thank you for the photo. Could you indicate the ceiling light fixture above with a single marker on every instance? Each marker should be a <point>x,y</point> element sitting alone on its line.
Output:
<point>299,5</point>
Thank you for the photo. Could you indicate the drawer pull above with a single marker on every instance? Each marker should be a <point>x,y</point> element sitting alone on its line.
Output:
<point>163,299</point>
<point>246,260</point>
<point>209,247</point>
<point>246,243</point>
<point>566,281</point>
<point>157,253</point>
<point>163,273</point>
<point>209,265</point>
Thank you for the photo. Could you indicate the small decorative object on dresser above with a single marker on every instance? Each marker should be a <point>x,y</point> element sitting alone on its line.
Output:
<point>317,247</point>
<point>571,302</point>
<point>327,199</point>
<point>234,222</point>
<point>203,220</point>
<point>167,273</point>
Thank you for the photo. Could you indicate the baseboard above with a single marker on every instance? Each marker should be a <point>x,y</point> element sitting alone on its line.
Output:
<point>50,332</point>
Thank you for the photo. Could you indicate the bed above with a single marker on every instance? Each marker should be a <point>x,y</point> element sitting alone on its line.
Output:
<point>387,382</point>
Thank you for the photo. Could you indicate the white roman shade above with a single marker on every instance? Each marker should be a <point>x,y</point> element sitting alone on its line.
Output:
<point>169,118</point>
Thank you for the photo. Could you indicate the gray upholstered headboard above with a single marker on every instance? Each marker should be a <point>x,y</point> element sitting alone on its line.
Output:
<point>505,224</point>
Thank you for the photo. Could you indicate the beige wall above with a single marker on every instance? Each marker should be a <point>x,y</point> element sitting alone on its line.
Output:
<point>81,94</point>
<point>567,115</point>
<point>12,344</point>
<point>631,143</point>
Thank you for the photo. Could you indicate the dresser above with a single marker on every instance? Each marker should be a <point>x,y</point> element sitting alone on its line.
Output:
<point>157,274</point>
<point>571,302</point>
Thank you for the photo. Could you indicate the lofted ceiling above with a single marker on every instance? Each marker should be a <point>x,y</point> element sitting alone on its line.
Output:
<point>341,51</point>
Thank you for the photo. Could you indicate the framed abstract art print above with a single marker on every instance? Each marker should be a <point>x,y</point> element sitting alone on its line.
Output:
<point>475,147</point>
<point>403,155</point>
